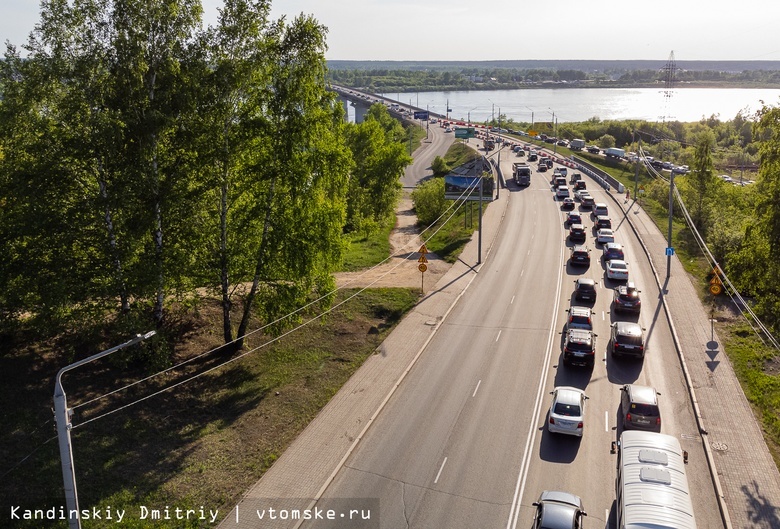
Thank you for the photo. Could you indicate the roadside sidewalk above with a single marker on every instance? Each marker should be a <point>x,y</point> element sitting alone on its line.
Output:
<point>309,464</point>
<point>742,467</point>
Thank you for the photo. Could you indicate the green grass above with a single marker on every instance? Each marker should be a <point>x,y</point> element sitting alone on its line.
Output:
<point>365,251</point>
<point>460,153</point>
<point>207,441</point>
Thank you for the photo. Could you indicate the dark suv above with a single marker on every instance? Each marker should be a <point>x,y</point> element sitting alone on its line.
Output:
<point>627,338</point>
<point>577,233</point>
<point>580,184</point>
<point>579,348</point>
<point>626,299</point>
<point>639,408</point>
<point>613,250</point>
<point>585,289</point>
<point>580,256</point>
<point>602,221</point>
<point>587,202</point>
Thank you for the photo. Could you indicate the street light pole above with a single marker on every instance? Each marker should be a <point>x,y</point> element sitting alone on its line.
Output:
<point>62,417</point>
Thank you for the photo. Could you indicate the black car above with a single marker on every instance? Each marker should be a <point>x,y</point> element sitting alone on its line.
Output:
<point>580,256</point>
<point>580,184</point>
<point>602,221</point>
<point>585,289</point>
<point>593,149</point>
<point>568,204</point>
<point>639,408</point>
<point>577,233</point>
<point>558,510</point>
<point>626,299</point>
<point>573,217</point>
<point>579,348</point>
<point>627,339</point>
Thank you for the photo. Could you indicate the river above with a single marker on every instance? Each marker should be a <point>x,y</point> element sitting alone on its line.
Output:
<point>582,104</point>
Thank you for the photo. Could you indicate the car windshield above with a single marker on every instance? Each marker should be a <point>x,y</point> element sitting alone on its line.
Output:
<point>567,410</point>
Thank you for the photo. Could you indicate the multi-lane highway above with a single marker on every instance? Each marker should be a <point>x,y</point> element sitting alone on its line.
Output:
<point>462,441</point>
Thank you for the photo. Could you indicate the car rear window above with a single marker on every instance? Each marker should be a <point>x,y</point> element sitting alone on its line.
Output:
<point>579,346</point>
<point>630,340</point>
<point>570,410</point>
<point>580,320</point>
<point>648,410</point>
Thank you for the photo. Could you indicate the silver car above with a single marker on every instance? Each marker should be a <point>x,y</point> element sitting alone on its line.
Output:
<point>567,412</point>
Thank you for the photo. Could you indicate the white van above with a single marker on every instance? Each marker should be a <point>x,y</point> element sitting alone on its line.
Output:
<point>651,486</point>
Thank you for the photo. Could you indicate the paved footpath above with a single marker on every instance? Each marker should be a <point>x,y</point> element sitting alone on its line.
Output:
<point>747,477</point>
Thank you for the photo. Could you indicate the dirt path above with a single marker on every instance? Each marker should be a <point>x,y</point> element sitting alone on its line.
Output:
<point>401,269</point>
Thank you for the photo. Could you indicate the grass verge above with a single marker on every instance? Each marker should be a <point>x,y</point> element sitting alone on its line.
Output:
<point>203,443</point>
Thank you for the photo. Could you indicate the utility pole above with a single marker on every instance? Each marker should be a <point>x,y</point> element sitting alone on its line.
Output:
<point>636,173</point>
<point>671,213</point>
<point>62,416</point>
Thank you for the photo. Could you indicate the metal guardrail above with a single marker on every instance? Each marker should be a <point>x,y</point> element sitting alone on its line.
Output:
<point>603,178</point>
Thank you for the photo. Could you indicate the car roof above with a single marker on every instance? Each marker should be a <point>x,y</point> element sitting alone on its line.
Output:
<point>606,231</point>
<point>600,205</point>
<point>613,246</point>
<point>616,261</point>
<point>579,311</point>
<point>642,394</point>
<point>580,335</point>
<point>585,281</point>
<point>577,226</point>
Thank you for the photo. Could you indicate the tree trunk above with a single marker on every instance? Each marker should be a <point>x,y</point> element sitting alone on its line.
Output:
<point>227,328</point>
<point>258,269</point>
<point>119,274</point>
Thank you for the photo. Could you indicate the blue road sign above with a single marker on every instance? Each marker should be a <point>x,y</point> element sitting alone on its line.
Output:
<point>421,114</point>
<point>669,251</point>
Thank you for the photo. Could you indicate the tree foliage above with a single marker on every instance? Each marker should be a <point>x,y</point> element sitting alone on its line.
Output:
<point>144,157</point>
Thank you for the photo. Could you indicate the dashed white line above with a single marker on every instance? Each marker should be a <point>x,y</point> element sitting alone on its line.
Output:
<point>498,335</point>
<point>435,481</point>
<point>606,420</point>
<point>476,388</point>
<point>513,298</point>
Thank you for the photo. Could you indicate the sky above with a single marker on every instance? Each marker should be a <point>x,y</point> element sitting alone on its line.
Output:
<point>472,30</point>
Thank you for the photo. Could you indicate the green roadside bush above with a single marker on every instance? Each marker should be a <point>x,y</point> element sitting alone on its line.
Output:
<point>429,202</point>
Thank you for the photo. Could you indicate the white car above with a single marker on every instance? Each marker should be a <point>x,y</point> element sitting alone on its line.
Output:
<point>617,269</point>
<point>581,193</point>
<point>567,412</point>
<point>605,235</point>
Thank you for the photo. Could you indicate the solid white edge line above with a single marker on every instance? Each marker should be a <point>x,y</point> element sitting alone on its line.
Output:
<point>606,420</point>
<point>514,513</point>
<point>435,481</point>
<point>498,335</point>
<point>476,388</point>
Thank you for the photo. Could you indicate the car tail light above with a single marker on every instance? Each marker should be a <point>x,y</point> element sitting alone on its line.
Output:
<point>658,421</point>
<point>552,421</point>
<point>628,417</point>
<point>579,424</point>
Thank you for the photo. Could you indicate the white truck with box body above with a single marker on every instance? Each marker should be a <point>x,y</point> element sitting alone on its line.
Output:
<point>576,144</point>
<point>613,152</point>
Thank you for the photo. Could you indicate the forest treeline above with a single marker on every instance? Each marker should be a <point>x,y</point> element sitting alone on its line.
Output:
<point>145,160</point>
<point>384,80</point>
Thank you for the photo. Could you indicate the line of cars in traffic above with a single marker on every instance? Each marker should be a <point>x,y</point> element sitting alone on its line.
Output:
<point>639,407</point>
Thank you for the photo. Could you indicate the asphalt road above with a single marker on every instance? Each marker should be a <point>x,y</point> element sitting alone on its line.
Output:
<point>462,444</point>
<point>437,144</point>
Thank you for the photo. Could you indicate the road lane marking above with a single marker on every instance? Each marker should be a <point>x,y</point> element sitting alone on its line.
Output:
<point>603,316</point>
<point>514,512</point>
<point>606,420</point>
<point>513,298</point>
<point>476,388</point>
<point>498,335</point>
<point>435,481</point>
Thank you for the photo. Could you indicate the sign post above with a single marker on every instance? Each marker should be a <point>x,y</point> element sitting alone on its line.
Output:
<point>422,267</point>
